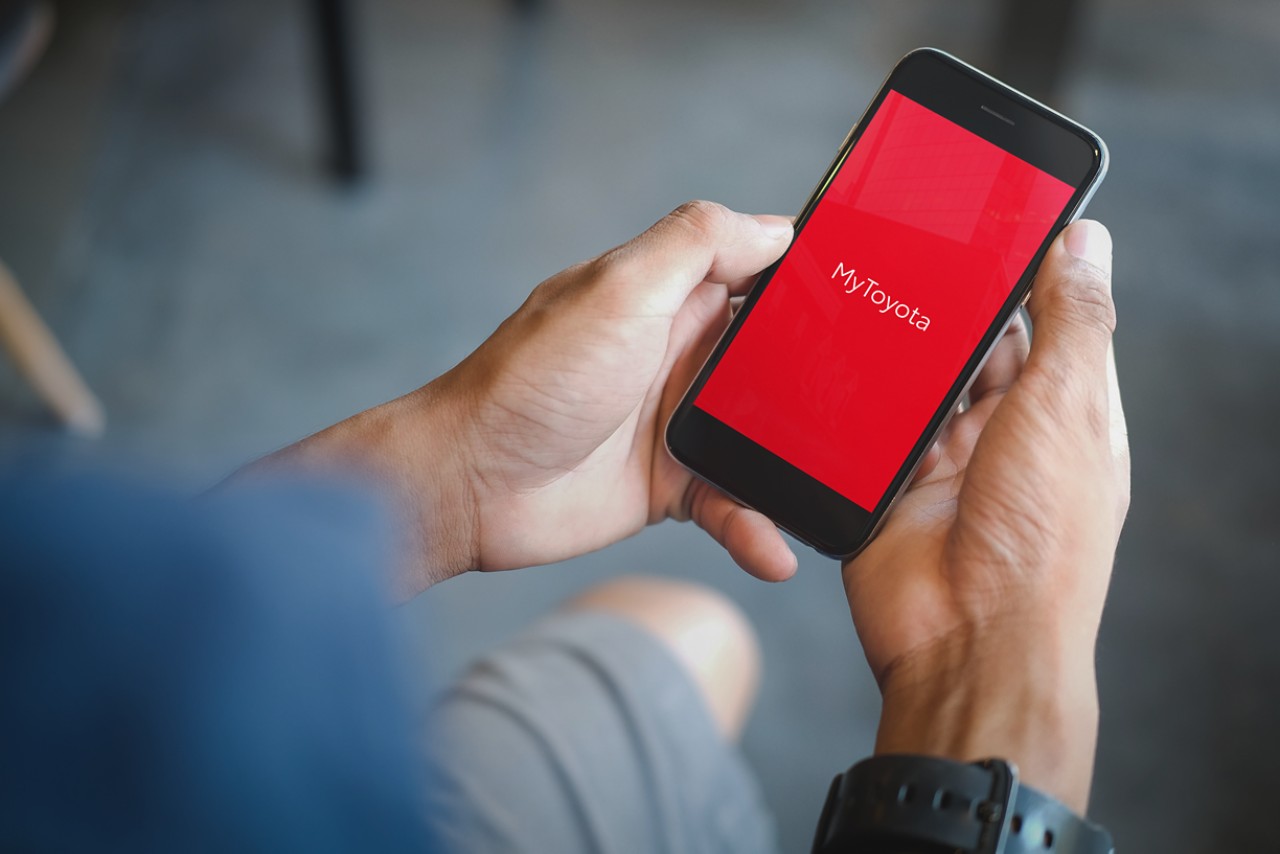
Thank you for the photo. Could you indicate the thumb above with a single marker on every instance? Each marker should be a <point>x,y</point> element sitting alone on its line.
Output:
<point>1072,312</point>
<point>696,242</point>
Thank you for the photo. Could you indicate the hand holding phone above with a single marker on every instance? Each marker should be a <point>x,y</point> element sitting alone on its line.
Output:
<point>546,442</point>
<point>910,258</point>
<point>978,603</point>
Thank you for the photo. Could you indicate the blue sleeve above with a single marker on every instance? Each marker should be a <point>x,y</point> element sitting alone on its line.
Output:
<point>199,675</point>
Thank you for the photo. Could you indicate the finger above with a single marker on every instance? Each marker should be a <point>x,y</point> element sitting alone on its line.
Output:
<point>739,288</point>
<point>1005,362</point>
<point>753,541</point>
<point>928,463</point>
<point>1072,310</point>
<point>694,331</point>
<point>695,242</point>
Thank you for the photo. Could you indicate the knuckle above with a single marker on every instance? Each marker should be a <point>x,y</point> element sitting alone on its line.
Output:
<point>606,263</point>
<point>560,286</point>
<point>1086,298</point>
<point>702,217</point>
<point>615,268</point>
<point>693,505</point>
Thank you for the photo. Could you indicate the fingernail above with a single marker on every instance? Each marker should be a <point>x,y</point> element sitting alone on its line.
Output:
<point>774,227</point>
<point>1091,242</point>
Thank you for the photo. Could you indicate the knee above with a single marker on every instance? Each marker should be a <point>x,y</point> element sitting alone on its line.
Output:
<point>708,634</point>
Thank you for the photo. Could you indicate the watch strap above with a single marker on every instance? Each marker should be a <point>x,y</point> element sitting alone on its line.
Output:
<point>1041,823</point>
<point>974,808</point>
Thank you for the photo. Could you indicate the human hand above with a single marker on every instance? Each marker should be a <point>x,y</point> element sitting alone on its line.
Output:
<point>979,601</point>
<point>546,442</point>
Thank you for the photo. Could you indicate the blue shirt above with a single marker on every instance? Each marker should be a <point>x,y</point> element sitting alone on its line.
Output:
<point>207,674</point>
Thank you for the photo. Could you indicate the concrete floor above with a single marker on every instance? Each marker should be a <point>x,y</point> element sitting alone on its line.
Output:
<point>160,200</point>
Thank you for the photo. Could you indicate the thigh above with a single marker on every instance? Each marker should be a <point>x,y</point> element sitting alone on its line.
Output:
<point>586,735</point>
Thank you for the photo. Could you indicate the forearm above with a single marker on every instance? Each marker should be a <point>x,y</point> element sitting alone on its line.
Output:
<point>407,450</point>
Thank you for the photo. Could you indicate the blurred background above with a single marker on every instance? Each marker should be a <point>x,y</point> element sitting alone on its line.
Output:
<point>175,203</point>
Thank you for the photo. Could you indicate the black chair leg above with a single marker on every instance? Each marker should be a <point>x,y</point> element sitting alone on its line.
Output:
<point>336,54</point>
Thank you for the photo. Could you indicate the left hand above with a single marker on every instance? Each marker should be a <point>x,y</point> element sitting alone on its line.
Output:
<point>547,441</point>
<point>978,604</point>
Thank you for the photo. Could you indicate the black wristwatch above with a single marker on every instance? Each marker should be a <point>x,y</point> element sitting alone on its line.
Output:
<point>899,803</point>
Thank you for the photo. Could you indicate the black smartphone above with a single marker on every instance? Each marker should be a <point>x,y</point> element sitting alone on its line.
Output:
<point>909,259</point>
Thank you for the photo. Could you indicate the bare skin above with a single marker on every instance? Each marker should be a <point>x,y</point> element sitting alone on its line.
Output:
<point>977,605</point>
<point>707,634</point>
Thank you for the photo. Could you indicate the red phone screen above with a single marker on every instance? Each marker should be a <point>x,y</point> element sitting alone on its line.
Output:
<point>886,292</point>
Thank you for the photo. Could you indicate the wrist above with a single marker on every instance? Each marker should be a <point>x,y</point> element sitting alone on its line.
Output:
<point>410,451</point>
<point>1028,697</point>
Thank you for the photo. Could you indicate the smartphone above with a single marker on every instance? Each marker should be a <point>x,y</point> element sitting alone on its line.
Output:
<point>909,260</point>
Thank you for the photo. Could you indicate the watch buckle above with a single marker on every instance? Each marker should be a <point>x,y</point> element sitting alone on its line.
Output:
<point>996,812</point>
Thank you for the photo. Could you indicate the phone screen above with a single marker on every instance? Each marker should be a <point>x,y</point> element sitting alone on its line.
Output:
<point>892,281</point>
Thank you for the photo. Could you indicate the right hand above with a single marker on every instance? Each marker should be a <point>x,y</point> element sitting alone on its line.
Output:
<point>978,603</point>
<point>546,442</point>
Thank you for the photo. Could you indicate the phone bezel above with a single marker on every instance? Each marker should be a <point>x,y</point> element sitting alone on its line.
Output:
<point>796,501</point>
